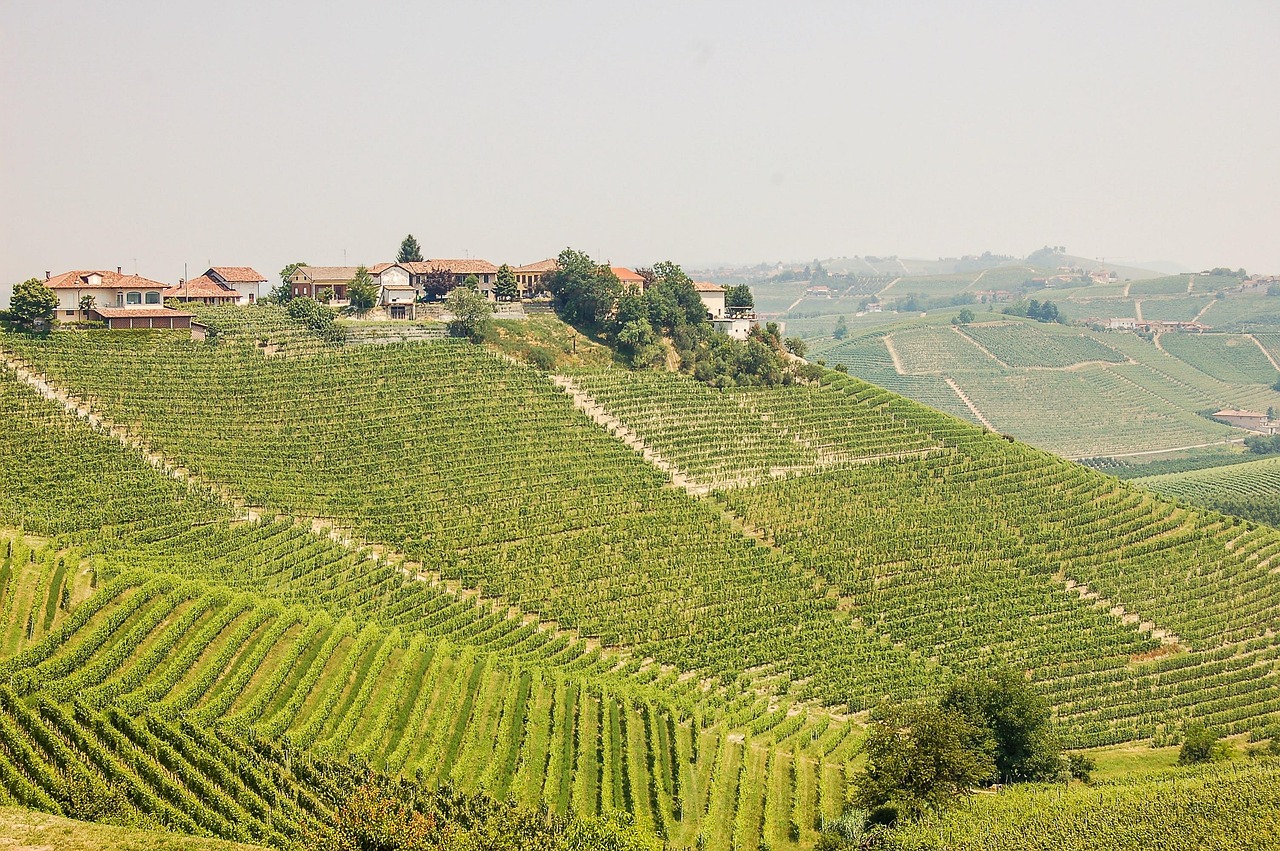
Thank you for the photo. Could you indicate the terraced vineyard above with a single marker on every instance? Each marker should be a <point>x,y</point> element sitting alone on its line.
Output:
<point>539,613</point>
<point>1251,489</point>
<point>1226,357</point>
<point>1019,345</point>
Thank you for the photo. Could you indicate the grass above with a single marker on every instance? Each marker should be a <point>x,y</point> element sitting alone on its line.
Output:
<point>31,830</point>
<point>565,346</point>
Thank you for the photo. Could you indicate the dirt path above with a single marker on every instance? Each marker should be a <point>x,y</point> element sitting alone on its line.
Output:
<point>1137,309</point>
<point>1155,341</point>
<point>1263,349</point>
<point>974,282</point>
<point>1166,637</point>
<point>1125,292</point>
<point>893,355</point>
<point>981,347</point>
<point>1204,310</point>
<point>586,403</point>
<point>1191,283</point>
<point>1160,451</point>
<point>888,286</point>
<point>792,306</point>
<point>968,403</point>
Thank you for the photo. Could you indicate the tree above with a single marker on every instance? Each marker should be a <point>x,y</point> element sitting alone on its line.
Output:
<point>919,758</point>
<point>964,317</point>
<point>410,252</point>
<point>1013,722</point>
<point>739,297</point>
<point>87,303</point>
<point>32,302</point>
<point>506,288</point>
<point>673,300</point>
<point>362,291</point>
<point>1200,744</point>
<point>796,346</point>
<point>842,329</point>
<point>471,282</point>
<point>284,292</point>
<point>437,282</point>
<point>585,292</point>
<point>471,314</point>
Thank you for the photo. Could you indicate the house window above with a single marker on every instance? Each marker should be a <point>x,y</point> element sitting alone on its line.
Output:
<point>70,313</point>
<point>153,298</point>
<point>133,298</point>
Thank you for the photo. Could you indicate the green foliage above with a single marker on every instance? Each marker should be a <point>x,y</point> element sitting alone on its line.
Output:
<point>585,291</point>
<point>1046,312</point>
<point>842,329</point>
<point>1201,744</point>
<point>362,291</point>
<point>739,296</point>
<point>471,282</point>
<point>964,317</point>
<point>32,302</point>
<point>319,319</point>
<point>1263,444</point>
<point>506,287</point>
<point>920,758</point>
<point>1081,766</point>
<point>283,293</point>
<point>796,346</point>
<point>472,313</point>
<point>410,251</point>
<point>1014,723</point>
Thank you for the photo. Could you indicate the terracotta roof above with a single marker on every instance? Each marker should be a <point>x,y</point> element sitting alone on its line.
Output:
<point>138,312</point>
<point>380,268</point>
<point>467,266</point>
<point>627,276</point>
<point>541,266</point>
<point>79,279</point>
<point>201,287</point>
<point>705,287</point>
<point>237,274</point>
<point>329,273</point>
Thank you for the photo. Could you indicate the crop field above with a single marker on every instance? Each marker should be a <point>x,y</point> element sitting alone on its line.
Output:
<point>1173,309</point>
<point>1021,345</point>
<point>939,348</point>
<point>1251,489</point>
<point>1233,806</point>
<point>1231,358</point>
<point>538,612</point>
<point>1244,313</point>
<point>1171,285</point>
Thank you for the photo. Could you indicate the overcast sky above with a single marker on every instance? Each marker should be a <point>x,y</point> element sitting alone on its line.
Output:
<point>257,133</point>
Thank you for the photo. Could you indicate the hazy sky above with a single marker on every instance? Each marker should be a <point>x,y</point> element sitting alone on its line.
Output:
<point>262,132</point>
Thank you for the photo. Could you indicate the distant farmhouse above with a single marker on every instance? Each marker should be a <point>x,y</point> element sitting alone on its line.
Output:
<point>1251,420</point>
<point>220,285</point>
<point>113,298</point>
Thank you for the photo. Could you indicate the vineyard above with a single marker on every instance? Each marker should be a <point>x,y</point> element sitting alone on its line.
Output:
<point>1251,489</point>
<point>457,574</point>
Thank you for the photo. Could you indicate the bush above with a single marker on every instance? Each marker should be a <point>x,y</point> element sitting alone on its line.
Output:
<point>1201,744</point>
<point>541,359</point>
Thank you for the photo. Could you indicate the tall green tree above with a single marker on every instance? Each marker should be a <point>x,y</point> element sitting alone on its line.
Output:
<point>919,758</point>
<point>32,302</point>
<point>284,292</point>
<point>842,329</point>
<point>739,297</point>
<point>672,299</point>
<point>585,291</point>
<point>1013,721</point>
<point>362,290</point>
<point>410,251</point>
<point>506,287</point>
<point>471,314</point>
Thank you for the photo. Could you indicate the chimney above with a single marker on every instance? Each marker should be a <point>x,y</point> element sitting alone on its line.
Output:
<point>117,270</point>
<point>46,274</point>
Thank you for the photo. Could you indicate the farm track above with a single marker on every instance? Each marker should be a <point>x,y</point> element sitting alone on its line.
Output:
<point>318,526</point>
<point>1263,349</point>
<point>980,347</point>
<point>1164,636</point>
<point>964,397</point>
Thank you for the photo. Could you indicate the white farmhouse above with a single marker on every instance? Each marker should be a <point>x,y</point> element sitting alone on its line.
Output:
<point>712,296</point>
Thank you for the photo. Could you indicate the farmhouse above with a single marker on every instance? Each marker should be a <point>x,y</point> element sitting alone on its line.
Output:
<point>313,281</point>
<point>530,278</point>
<point>113,298</point>
<point>220,285</point>
<point>712,296</point>
<point>630,279</point>
<point>396,293</point>
<point>1251,420</point>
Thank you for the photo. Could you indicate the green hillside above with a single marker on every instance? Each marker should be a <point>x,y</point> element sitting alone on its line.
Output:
<point>439,563</point>
<point>1251,489</point>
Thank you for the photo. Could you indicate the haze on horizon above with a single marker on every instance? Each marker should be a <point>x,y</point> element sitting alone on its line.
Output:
<point>260,133</point>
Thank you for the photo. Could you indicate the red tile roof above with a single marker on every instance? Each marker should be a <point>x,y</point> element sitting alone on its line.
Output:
<point>138,312</point>
<point>201,287</point>
<point>380,268</point>
<point>79,280</point>
<point>627,276</point>
<point>705,287</point>
<point>541,266</point>
<point>237,274</point>
<point>466,266</point>
<point>339,274</point>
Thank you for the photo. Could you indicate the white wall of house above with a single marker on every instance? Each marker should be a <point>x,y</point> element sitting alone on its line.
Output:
<point>247,292</point>
<point>714,303</point>
<point>69,298</point>
<point>738,329</point>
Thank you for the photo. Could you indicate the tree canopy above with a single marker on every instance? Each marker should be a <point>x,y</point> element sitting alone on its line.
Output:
<point>585,291</point>
<point>32,301</point>
<point>506,288</point>
<point>471,313</point>
<point>1014,723</point>
<point>362,291</point>
<point>410,251</point>
<point>739,297</point>
<point>284,291</point>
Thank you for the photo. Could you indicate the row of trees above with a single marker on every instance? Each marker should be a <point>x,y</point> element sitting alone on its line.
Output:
<point>669,311</point>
